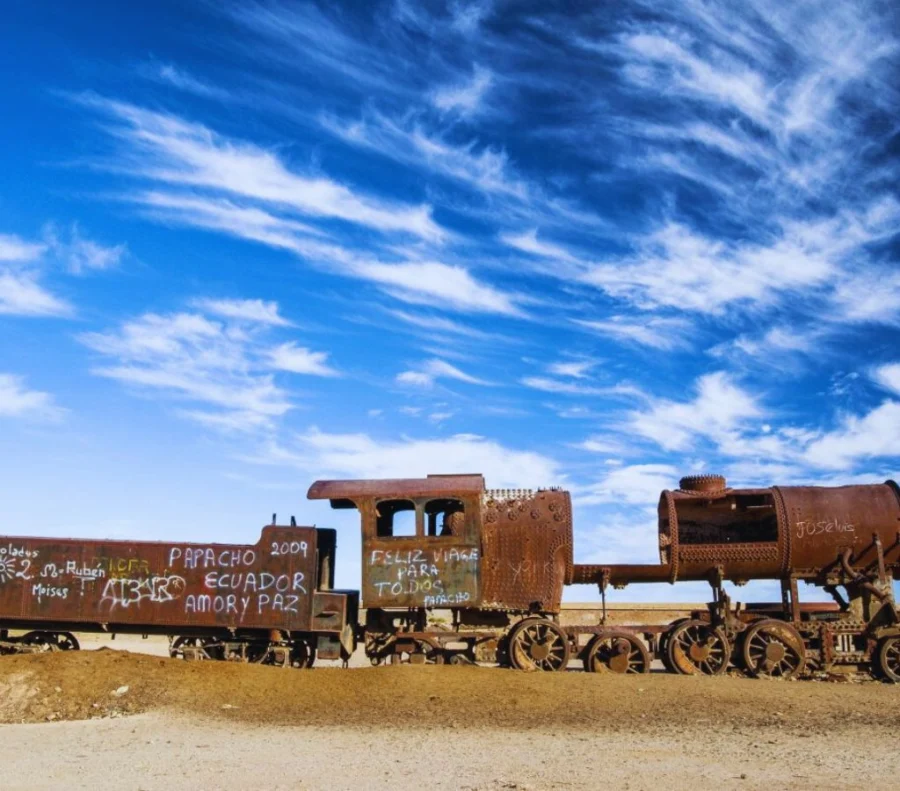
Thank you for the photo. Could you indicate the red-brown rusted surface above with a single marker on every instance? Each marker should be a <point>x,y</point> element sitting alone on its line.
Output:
<point>388,488</point>
<point>119,584</point>
<point>802,532</point>
<point>507,549</point>
<point>527,547</point>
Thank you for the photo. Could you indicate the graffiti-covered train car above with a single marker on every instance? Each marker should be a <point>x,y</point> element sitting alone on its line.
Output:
<point>455,572</point>
<point>270,602</point>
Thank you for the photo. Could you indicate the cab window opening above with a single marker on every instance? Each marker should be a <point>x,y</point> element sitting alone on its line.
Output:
<point>395,519</point>
<point>445,518</point>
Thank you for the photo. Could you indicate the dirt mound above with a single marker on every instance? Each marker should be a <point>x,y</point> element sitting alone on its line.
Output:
<point>83,685</point>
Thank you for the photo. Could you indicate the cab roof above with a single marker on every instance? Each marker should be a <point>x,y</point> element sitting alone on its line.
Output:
<point>343,493</point>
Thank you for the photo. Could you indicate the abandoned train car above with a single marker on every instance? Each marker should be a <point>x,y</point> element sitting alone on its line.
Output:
<point>271,602</point>
<point>497,561</point>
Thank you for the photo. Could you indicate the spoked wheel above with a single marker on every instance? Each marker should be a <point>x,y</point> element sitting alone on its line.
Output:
<point>617,652</point>
<point>44,642</point>
<point>303,655</point>
<point>538,644</point>
<point>696,648</point>
<point>663,645</point>
<point>773,649</point>
<point>66,641</point>
<point>208,647</point>
<point>889,659</point>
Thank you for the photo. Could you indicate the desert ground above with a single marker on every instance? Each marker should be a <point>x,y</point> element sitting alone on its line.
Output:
<point>99,718</point>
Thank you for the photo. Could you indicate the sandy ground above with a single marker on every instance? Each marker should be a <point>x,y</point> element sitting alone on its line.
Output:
<point>154,751</point>
<point>102,718</point>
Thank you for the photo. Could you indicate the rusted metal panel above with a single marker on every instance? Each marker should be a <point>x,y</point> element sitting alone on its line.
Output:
<point>527,542</point>
<point>824,522</point>
<point>504,549</point>
<point>331,610</point>
<point>432,486</point>
<point>805,532</point>
<point>268,585</point>
<point>439,566</point>
<point>421,572</point>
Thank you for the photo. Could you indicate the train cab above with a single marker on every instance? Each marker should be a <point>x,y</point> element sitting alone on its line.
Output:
<point>421,538</point>
<point>445,541</point>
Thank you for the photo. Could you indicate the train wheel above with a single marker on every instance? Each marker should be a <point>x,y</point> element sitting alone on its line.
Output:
<point>44,642</point>
<point>205,647</point>
<point>66,641</point>
<point>617,652</point>
<point>696,648</point>
<point>257,653</point>
<point>889,659</point>
<point>663,645</point>
<point>267,654</point>
<point>538,644</point>
<point>429,653</point>
<point>303,655</point>
<point>773,649</point>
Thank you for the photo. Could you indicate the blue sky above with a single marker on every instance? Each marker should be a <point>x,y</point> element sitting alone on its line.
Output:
<point>246,245</point>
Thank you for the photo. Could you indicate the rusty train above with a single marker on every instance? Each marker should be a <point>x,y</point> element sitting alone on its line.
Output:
<point>497,561</point>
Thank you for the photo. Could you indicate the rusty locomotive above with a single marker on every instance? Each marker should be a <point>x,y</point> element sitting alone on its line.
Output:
<point>496,562</point>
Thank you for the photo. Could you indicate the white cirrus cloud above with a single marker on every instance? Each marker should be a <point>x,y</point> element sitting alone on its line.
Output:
<point>437,324</point>
<point>362,456</point>
<point>257,311</point>
<point>888,376</point>
<point>300,360</point>
<point>168,149</point>
<point>468,16</point>
<point>183,80</point>
<point>431,370</point>
<point>604,445</point>
<point>14,248</point>
<point>528,242</point>
<point>25,265</point>
<point>743,439</point>
<point>656,332</point>
<point>193,359</point>
<point>725,81</point>
<point>439,285</point>
<point>857,301</point>
<point>859,438</point>
<point>719,407</point>
<point>577,369</point>
<point>219,370</point>
<point>638,484</point>
<point>774,346</point>
<point>548,385</point>
<point>486,168</point>
<point>466,98</point>
<point>680,268</point>
<point>78,253</point>
<point>22,294</point>
<point>17,401</point>
<point>443,286</point>
<point>21,270</point>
